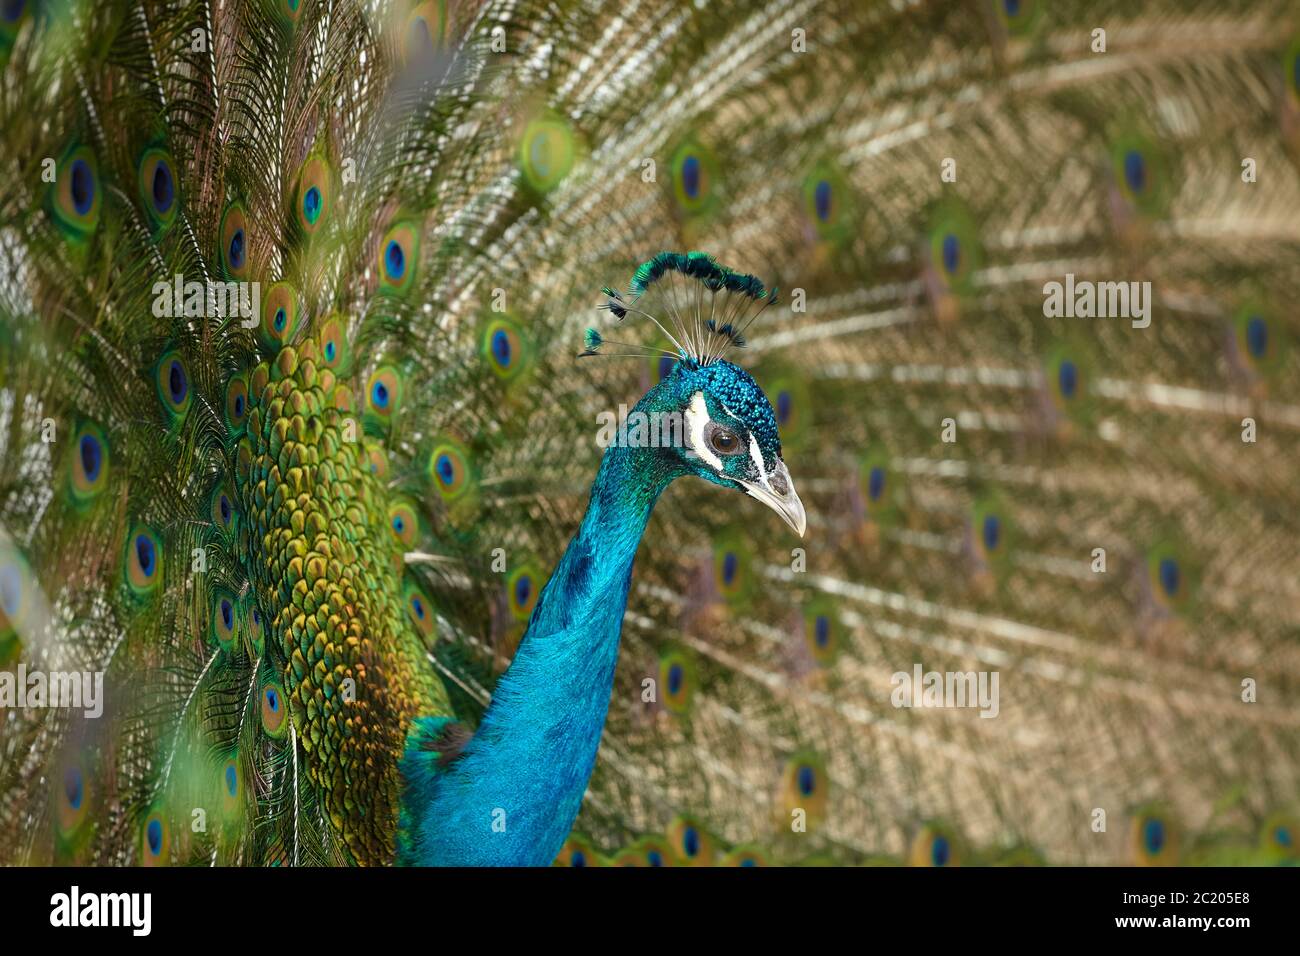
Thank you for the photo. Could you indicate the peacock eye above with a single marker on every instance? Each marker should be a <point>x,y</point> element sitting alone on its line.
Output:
<point>723,441</point>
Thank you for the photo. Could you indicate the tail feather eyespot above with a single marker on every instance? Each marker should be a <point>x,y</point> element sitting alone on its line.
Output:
<point>172,381</point>
<point>158,188</point>
<point>280,317</point>
<point>399,252</point>
<point>314,194</point>
<point>76,195</point>
<point>143,561</point>
<point>89,465</point>
<point>233,236</point>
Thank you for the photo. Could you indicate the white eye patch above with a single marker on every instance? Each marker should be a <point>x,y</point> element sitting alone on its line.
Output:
<point>697,416</point>
<point>757,457</point>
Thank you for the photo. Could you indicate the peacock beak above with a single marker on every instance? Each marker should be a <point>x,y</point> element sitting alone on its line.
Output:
<point>776,490</point>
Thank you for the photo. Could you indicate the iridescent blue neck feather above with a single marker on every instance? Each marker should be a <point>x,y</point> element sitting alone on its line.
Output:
<point>512,797</point>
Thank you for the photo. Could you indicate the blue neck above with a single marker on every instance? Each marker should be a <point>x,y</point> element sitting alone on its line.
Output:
<point>511,799</point>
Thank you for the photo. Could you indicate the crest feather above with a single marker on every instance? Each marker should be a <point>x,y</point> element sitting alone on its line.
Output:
<point>701,306</point>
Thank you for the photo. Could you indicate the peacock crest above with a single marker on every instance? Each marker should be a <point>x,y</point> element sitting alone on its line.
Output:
<point>701,307</point>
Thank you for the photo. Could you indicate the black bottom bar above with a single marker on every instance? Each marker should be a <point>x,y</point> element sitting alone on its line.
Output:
<point>336,906</point>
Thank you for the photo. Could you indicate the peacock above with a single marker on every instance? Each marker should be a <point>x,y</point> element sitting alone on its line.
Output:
<point>347,348</point>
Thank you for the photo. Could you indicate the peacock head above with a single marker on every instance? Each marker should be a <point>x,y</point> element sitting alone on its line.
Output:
<point>728,434</point>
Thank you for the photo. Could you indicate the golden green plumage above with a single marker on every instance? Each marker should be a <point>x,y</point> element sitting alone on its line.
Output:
<point>329,574</point>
